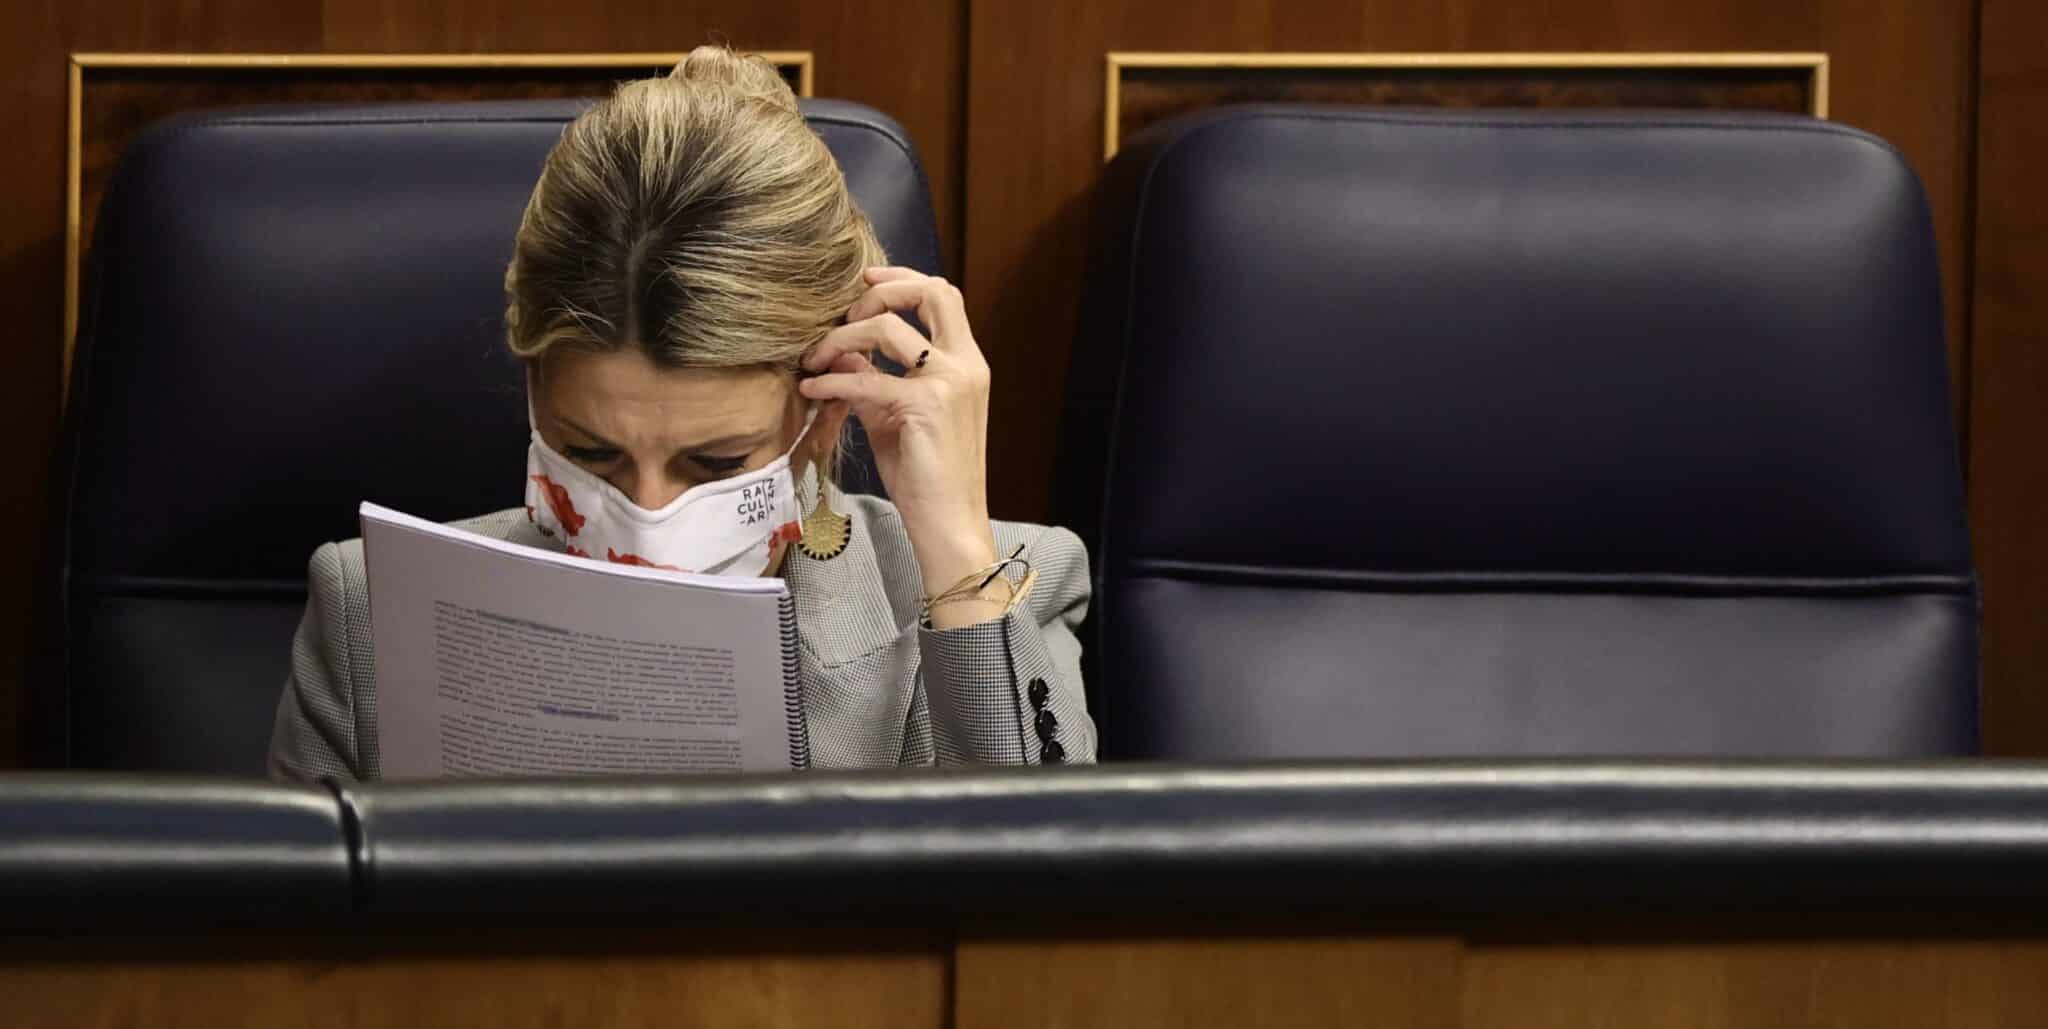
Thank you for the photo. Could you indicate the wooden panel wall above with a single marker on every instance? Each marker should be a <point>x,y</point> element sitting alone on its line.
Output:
<point>2009,373</point>
<point>1005,99</point>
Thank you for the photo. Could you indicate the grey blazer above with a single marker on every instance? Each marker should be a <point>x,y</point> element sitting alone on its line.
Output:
<point>878,688</point>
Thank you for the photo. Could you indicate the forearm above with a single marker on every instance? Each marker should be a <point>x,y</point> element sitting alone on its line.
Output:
<point>1006,691</point>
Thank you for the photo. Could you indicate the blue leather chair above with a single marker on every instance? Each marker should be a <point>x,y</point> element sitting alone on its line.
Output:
<point>292,310</point>
<point>1488,433</point>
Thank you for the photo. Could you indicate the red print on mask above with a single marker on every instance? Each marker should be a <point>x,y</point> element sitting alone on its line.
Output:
<point>634,559</point>
<point>558,502</point>
<point>535,522</point>
<point>576,551</point>
<point>789,533</point>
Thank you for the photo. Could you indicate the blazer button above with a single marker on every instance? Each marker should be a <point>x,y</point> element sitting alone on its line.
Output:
<point>1052,753</point>
<point>1037,692</point>
<point>1047,724</point>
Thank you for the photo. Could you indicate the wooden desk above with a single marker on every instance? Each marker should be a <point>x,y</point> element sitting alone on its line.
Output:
<point>1529,972</point>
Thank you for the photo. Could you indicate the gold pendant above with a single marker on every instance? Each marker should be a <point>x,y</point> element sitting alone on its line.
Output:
<point>826,532</point>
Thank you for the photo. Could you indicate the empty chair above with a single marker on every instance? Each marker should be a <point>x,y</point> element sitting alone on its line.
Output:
<point>292,310</point>
<point>1433,433</point>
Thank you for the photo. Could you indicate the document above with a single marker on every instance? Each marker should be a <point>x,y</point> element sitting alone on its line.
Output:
<point>497,659</point>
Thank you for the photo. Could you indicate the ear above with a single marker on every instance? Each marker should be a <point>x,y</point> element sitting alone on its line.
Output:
<point>825,431</point>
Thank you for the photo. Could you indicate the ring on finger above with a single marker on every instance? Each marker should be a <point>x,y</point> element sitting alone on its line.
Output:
<point>922,356</point>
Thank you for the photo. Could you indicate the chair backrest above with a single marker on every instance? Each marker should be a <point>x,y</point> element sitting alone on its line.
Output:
<point>1490,433</point>
<point>292,310</point>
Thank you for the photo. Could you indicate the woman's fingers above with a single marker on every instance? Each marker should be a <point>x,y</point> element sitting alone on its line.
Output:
<point>897,294</point>
<point>928,429</point>
<point>863,390</point>
<point>851,363</point>
<point>889,272</point>
<point>937,302</point>
<point>886,332</point>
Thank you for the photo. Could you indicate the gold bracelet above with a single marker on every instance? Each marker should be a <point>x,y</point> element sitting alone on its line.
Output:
<point>971,585</point>
<point>982,576</point>
<point>1023,587</point>
<point>1018,591</point>
<point>1015,591</point>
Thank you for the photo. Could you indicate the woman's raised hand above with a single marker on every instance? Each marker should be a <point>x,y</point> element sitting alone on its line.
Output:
<point>929,428</point>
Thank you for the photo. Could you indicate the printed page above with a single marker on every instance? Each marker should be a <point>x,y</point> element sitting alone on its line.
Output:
<point>496,659</point>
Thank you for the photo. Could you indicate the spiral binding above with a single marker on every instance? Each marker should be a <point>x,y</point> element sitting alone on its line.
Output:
<point>793,688</point>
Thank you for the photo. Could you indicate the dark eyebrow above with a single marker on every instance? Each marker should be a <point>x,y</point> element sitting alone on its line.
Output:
<point>752,439</point>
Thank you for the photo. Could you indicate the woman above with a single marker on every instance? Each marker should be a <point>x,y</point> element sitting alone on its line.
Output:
<point>697,301</point>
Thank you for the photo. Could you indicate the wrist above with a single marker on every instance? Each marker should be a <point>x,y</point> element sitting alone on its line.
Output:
<point>946,557</point>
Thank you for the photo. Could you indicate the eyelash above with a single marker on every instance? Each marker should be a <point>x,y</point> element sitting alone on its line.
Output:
<point>718,466</point>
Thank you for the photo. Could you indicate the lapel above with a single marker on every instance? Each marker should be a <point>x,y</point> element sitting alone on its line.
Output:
<point>843,608</point>
<point>518,528</point>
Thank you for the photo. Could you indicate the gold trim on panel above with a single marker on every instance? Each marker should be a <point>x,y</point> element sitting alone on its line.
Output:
<point>73,168</point>
<point>80,62</point>
<point>800,58</point>
<point>1112,100</point>
<point>1116,61</point>
<point>1820,86</point>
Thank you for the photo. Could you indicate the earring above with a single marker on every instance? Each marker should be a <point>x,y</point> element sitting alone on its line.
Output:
<point>826,532</point>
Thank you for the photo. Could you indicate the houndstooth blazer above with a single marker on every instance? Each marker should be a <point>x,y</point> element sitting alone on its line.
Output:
<point>878,688</point>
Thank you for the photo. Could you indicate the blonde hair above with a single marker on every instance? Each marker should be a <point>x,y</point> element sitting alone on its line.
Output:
<point>695,216</point>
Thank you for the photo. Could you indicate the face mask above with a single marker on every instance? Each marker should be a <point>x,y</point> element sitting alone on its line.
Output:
<point>726,527</point>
